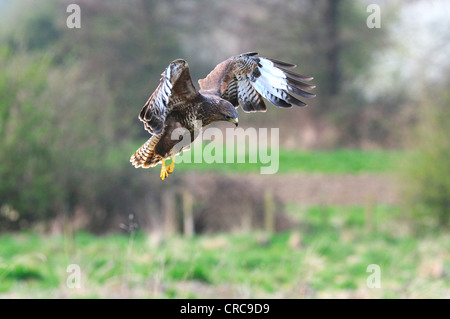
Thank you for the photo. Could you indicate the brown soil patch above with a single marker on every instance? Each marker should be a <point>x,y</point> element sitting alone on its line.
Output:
<point>315,189</point>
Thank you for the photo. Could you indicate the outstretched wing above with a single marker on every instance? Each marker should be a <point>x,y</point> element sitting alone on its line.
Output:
<point>245,79</point>
<point>175,90</point>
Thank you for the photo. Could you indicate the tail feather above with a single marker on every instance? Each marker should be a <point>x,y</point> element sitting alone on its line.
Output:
<point>145,156</point>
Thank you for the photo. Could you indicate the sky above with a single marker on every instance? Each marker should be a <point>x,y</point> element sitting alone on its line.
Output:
<point>419,56</point>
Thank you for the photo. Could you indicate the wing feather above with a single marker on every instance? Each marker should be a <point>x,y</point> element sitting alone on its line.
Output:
<point>175,89</point>
<point>246,79</point>
<point>248,97</point>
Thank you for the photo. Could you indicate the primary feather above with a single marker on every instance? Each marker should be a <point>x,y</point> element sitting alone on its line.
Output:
<point>245,79</point>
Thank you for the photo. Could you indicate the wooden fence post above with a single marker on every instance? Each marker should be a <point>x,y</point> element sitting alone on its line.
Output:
<point>246,217</point>
<point>269,212</point>
<point>168,208</point>
<point>188,214</point>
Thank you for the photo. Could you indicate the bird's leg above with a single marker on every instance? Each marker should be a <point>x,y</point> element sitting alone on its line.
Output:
<point>164,173</point>
<point>171,166</point>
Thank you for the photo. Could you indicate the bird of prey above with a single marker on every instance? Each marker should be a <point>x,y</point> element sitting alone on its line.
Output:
<point>242,80</point>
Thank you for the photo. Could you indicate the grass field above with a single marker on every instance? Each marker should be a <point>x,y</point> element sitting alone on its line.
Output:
<point>325,256</point>
<point>344,161</point>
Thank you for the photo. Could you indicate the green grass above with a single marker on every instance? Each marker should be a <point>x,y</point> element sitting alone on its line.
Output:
<point>294,161</point>
<point>326,255</point>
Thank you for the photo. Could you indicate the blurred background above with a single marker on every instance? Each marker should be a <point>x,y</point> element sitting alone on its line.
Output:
<point>364,173</point>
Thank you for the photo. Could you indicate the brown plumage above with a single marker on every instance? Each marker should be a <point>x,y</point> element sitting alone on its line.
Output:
<point>243,80</point>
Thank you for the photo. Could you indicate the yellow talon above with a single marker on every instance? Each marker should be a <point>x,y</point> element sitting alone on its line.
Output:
<point>166,170</point>
<point>171,166</point>
<point>164,173</point>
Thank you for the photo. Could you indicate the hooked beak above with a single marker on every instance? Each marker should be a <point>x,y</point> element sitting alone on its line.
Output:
<point>235,121</point>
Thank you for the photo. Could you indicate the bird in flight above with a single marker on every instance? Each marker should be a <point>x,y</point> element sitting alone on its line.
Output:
<point>242,80</point>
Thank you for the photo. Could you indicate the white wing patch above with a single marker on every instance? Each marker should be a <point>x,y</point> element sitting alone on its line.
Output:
<point>271,77</point>
<point>274,84</point>
<point>269,68</point>
<point>165,92</point>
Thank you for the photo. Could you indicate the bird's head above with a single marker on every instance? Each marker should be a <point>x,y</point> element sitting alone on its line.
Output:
<point>216,109</point>
<point>227,112</point>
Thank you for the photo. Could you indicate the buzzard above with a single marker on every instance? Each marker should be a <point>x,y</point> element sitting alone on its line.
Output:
<point>242,80</point>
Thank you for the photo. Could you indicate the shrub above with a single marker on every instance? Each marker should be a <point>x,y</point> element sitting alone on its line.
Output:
<point>427,178</point>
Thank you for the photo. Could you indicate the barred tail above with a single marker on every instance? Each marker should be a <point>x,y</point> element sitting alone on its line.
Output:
<point>145,156</point>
